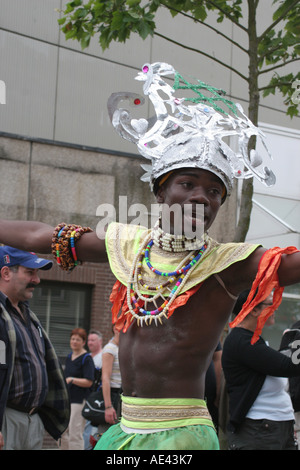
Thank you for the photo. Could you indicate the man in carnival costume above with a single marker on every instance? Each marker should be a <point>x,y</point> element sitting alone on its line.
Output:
<point>174,293</point>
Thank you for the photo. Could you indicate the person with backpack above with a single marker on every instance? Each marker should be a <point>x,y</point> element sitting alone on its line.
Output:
<point>94,343</point>
<point>95,347</point>
<point>79,374</point>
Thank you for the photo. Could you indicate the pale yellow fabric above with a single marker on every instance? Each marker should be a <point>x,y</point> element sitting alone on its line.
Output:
<point>123,242</point>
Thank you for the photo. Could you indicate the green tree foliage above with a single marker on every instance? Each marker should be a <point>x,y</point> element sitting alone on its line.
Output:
<point>269,53</point>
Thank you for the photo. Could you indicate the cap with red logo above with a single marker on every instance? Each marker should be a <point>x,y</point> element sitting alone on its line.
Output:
<point>12,256</point>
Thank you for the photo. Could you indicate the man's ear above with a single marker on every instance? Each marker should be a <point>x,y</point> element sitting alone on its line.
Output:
<point>5,273</point>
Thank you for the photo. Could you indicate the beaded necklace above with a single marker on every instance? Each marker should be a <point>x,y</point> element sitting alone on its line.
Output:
<point>173,243</point>
<point>137,302</point>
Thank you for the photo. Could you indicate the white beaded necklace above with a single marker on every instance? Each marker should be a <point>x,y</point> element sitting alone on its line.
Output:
<point>174,243</point>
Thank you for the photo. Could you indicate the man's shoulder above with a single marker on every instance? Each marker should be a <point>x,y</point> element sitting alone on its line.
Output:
<point>228,254</point>
<point>234,246</point>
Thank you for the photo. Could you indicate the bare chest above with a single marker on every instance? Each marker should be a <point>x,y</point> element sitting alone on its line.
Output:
<point>193,330</point>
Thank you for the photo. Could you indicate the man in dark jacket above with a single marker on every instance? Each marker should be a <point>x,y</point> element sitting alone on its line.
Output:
<point>33,393</point>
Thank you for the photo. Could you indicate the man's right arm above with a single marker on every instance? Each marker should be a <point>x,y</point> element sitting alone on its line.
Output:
<point>26,235</point>
<point>37,237</point>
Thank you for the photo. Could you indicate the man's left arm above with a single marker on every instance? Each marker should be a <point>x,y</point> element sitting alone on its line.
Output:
<point>242,275</point>
<point>289,269</point>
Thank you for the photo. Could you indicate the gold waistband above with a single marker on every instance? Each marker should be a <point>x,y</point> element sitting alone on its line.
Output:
<point>148,413</point>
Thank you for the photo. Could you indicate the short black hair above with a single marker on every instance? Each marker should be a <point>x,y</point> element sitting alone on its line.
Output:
<point>241,300</point>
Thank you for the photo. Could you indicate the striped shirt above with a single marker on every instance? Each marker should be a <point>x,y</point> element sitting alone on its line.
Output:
<point>29,383</point>
<point>115,379</point>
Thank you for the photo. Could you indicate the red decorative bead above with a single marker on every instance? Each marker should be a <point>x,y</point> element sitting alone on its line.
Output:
<point>137,101</point>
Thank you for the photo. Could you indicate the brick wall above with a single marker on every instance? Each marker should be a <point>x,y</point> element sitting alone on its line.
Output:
<point>102,280</point>
<point>99,276</point>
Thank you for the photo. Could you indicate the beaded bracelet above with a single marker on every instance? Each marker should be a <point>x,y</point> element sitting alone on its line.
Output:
<point>63,244</point>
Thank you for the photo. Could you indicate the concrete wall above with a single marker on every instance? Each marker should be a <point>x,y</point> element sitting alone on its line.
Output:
<point>50,182</point>
<point>53,183</point>
<point>58,183</point>
<point>58,92</point>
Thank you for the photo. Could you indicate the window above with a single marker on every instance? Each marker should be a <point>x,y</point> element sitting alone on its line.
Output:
<point>61,307</point>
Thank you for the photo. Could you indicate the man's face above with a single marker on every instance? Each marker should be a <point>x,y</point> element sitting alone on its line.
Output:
<point>22,283</point>
<point>193,188</point>
<point>94,342</point>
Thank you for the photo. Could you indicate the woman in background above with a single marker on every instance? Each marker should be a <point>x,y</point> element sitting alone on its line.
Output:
<point>79,374</point>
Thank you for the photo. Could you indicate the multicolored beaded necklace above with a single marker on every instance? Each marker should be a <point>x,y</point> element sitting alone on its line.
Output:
<point>137,302</point>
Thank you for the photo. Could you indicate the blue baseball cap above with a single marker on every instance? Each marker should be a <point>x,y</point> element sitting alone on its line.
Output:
<point>12,256</point>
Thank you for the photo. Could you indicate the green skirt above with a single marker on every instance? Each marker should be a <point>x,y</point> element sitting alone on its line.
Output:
<point>196,437</point>
<point>143,419</point>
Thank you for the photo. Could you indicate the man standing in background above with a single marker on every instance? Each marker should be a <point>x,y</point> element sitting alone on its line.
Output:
<point>33,394</point>
<point>95,348</point>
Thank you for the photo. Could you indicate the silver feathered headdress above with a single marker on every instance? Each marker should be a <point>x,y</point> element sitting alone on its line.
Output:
<point>181,136</point>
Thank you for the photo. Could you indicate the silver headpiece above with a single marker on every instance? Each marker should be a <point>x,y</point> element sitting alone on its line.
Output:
<point>181,136</point>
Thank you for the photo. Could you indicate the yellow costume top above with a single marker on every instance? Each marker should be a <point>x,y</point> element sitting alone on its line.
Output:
<point>123,243</point>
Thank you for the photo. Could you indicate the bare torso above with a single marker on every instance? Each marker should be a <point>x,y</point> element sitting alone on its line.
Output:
<point>170,360</point>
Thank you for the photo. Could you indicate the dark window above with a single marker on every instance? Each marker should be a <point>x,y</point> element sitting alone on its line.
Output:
<point>61,307</point>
